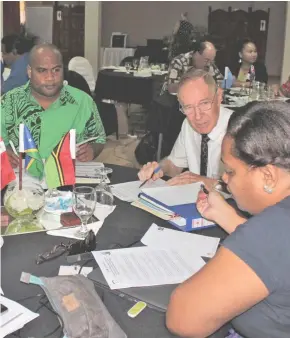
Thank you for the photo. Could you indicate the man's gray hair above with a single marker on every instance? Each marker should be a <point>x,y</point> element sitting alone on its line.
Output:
<point>195,74</point>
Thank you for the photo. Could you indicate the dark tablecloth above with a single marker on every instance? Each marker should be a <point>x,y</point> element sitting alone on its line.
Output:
<point>124,226</point>
<point>123,87</point>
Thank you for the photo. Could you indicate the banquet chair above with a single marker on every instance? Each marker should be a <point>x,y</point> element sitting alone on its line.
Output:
<point>107,111</point>
<point>82,66</point>
<point>108,114</point>
<point>76,80</point>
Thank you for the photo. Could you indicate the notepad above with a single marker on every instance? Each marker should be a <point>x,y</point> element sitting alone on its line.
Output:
<point>174,195</point>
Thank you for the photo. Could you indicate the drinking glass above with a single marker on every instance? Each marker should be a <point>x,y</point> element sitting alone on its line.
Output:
<point>270,93</point>
<point>84,203</point>
<point>102,173</point>
<point>243,90</point>
<point>104,197</point>
<point>163,67</point>
<point>128,67</point>
<point>135,64</point>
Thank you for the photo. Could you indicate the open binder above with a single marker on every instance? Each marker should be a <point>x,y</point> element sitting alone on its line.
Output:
<point>175,204</point>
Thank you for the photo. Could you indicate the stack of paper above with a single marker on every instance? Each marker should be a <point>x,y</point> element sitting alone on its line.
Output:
<point>86,172</point>
<point>15,317</point>
<point>130,191</point>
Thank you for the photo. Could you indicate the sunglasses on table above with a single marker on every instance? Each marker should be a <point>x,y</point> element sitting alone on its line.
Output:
<point>81,246</point>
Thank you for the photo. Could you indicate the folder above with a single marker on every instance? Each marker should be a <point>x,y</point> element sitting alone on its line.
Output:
<point>174,204</point>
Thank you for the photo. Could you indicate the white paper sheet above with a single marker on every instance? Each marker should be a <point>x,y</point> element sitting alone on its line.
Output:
<point>144,266</point>
<point>15,318</point>
<point>174,195</point>
<point>129,191</point>
<point>72,270</point>
<point>70,232</point>
<point>159,237</point>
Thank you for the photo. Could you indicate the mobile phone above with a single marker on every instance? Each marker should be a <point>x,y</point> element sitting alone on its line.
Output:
<point>69,219</point>
<point>3,308</point>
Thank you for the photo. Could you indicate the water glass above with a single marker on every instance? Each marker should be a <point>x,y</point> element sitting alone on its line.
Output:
<point>135,64</point>
<point>270,93</point>
<point>163,67</point>
<point>84,203</point>
<point>243,90</point>
<point>128,67</point>
<point>102,175</point>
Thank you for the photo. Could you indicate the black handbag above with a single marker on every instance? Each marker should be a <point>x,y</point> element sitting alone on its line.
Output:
<point>146,151</point>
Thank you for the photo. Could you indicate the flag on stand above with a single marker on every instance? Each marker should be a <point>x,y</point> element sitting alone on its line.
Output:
<point>33,161</point>
<point>59,166</point>
<point>7,173</point>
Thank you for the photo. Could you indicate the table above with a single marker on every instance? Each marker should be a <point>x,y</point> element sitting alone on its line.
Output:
<point>125,225</point>
<point>114,56</point>
<point>123,87</point>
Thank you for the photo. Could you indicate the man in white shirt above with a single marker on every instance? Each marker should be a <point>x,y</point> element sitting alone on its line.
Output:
<point>198,146</point>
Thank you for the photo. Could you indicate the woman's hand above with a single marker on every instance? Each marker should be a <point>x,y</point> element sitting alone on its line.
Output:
<point>214,208</point>
<point>212,205</point>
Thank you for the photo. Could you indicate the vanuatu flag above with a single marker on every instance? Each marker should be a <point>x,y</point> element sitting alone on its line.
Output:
<point>59,166</point>
<point>33,161</point>
<point>7,173</point>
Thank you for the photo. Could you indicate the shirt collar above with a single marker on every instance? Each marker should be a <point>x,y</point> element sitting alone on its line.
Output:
<point>221,125</point>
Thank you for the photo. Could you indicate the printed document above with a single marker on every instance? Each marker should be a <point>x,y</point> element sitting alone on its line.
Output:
<point>144,266</point>
<point>159,237</point>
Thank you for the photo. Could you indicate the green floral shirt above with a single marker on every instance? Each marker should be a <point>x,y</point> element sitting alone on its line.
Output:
<point>74,109</point>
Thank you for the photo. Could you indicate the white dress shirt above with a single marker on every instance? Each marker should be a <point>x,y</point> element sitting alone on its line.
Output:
<point>186,150</point>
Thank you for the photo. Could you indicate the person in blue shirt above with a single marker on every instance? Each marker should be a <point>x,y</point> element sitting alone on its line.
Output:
<point>15,51</point>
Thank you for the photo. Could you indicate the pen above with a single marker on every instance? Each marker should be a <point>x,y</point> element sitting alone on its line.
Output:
<point>154,172</point>
<point>13,147</point>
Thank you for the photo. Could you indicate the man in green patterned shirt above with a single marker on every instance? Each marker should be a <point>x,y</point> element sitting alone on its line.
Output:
<point>50,109</point>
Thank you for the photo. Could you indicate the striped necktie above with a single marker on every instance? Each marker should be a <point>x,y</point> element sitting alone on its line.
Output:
<point>204,154</point>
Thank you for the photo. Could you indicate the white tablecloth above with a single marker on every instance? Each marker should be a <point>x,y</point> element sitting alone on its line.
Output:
<point>114,56</point>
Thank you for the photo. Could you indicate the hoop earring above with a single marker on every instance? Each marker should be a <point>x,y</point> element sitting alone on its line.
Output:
<point>267,189</point>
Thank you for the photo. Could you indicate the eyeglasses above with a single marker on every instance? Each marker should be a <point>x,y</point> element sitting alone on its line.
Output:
<point>86,245</point>
<point>202,106</point>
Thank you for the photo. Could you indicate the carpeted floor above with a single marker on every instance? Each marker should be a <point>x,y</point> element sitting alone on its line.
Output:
<point>120,151</point>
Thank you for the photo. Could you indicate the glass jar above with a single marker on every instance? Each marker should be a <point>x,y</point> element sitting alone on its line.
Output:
<point>23,205</point>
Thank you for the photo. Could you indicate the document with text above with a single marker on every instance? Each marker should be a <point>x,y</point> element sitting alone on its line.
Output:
<point>144,266</point>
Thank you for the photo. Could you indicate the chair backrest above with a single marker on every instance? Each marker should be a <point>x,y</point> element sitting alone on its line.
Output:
<point>74,79</point>
<point>82,66</point>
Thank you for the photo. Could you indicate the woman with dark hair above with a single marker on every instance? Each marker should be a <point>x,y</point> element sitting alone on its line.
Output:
<point>247,282</point>
<point>248,69</point>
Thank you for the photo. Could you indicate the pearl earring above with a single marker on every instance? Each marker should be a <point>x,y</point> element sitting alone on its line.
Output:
<point>267,189</point>
<point>240,60</point>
